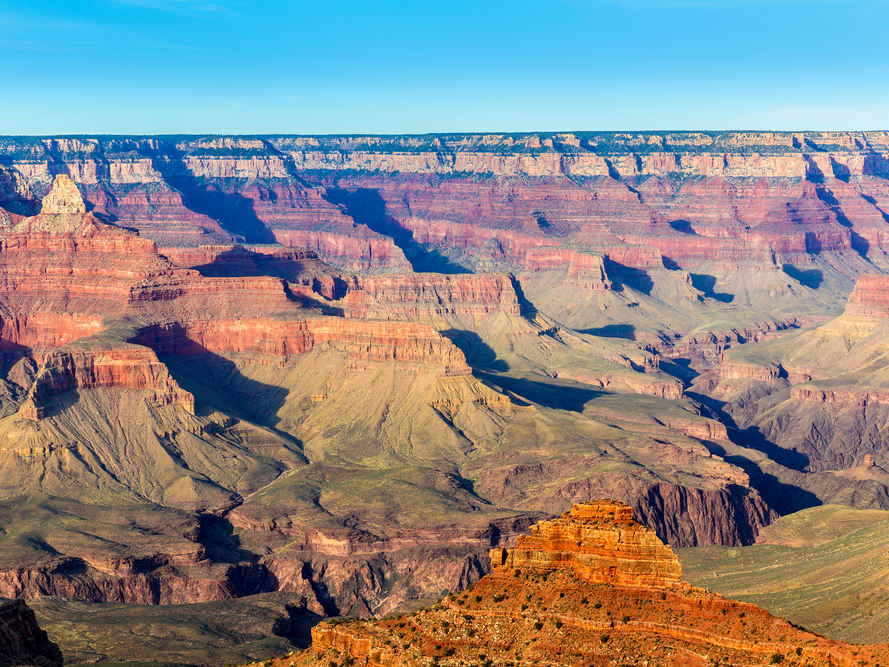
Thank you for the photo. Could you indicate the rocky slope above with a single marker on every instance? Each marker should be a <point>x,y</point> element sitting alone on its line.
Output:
<point>217,421</point>
<point>419,346</point>
<point>820,393</point>
<point>22,642</point>
<point>594,587</point>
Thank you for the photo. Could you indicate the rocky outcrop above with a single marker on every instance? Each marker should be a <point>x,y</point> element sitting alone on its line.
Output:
<point>365,340</point>
<point>599,542</point>
<point>63,198</point>
<point>592,586</point>
<point>870,298</point>
<point>431,295</point>
<point>127,367</point>
<point>22,642</point>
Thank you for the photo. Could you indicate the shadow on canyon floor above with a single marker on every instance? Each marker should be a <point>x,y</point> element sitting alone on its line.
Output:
<point>811,278</point>
<point>626,276</point>
<point>705,283</point>
<point>549,395</point>
<point>627,331</point>
<point>478,353</point>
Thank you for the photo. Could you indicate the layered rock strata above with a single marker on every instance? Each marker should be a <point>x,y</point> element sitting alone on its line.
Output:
<point>611,609</point>
<point>599,542</point>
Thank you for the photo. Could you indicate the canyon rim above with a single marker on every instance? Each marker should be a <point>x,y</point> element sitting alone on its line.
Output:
<point>444,333</point>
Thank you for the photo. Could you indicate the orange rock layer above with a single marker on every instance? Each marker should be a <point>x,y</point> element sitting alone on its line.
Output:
<point>600,543</point>
<point>366,340</point>
<point>870,297</point>
<point>590,588</point>
<point>129,367</point>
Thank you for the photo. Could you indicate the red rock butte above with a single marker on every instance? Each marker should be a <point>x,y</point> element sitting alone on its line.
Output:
<point>592,587</point>
<point>600,542</point>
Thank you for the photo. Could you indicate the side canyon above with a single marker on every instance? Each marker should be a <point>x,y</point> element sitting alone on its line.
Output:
<point>345,368</point>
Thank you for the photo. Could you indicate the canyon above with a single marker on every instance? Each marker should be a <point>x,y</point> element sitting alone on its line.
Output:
<point>591,587</point>
<point>344,369</point>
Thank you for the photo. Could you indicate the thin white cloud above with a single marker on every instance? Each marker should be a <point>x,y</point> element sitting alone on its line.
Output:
<point>220,8</point>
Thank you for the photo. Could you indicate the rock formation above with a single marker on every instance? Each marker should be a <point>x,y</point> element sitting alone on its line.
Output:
<point>600,543</point>
<point>22,642</point>
<point>378,358</point>
<point>590,587</point>
<point>326,413</point>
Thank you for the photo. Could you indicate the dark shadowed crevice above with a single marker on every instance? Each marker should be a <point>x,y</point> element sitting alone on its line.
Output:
<point>367,207</point>
<point>233,211</point>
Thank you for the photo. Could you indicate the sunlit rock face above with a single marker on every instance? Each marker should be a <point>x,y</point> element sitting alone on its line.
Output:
<point>590,587</point>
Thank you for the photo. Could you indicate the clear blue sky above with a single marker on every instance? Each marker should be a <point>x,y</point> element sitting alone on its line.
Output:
<point>238,66</point>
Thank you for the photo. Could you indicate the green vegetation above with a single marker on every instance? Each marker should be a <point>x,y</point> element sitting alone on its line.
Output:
<point>210,633</point>
<point>822,568</point>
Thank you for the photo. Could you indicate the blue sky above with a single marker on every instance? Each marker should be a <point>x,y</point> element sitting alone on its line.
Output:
<point>234,66</point>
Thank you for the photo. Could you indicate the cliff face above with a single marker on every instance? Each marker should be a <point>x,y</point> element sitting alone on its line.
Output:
<point>617,598</point>
<point>127,367</point>
<point>599,543</point>
<point>22,642</point>
<point>870,298</point>
<point>689,197</point>
<point>501,350</point>
<point>431,296</point>
<point>366,340</point>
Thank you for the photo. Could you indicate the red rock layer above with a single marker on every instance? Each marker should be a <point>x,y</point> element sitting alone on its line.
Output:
<point>45,330</point>
<point>870,298</point>
<point>592,587</point>
<point>600,542</point>
<point>366,340</point>
<point>431,294</point>
<point>129,367</point>
<point>351,249</point>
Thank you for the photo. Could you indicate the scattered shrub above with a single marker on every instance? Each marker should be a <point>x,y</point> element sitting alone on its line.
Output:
<point>776,658</point>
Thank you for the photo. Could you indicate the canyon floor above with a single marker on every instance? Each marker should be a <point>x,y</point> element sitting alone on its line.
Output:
<point>342,369</point>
